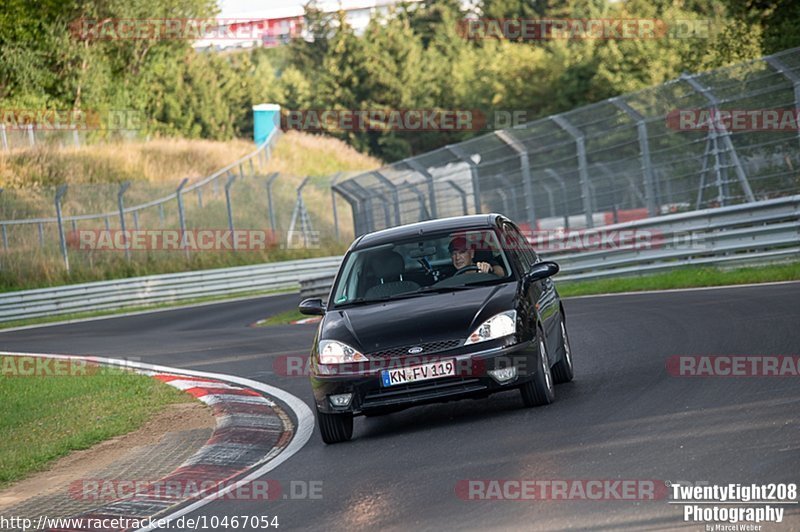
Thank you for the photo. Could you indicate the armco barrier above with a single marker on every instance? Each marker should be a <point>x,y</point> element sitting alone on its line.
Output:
<point>153,289</point>
<point>763,231</point>
<point>759,231</point>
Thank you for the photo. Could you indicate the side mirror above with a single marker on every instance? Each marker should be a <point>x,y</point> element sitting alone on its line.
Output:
<point>312,307</point>
<point>541,270</point>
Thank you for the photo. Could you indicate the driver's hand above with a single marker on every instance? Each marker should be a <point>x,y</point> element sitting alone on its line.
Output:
<point>484,267</point>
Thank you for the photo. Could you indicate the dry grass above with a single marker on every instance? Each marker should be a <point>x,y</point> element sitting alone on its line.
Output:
<point>155,168</point>
<point>304,154</point>
<point>154,161</point>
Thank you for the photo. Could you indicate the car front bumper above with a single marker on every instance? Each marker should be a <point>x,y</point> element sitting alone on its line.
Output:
<point>472,379</point>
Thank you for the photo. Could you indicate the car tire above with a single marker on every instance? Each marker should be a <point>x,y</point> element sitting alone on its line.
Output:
<point>539,390</point>
<point>335,428</point>
<point>563,370</point>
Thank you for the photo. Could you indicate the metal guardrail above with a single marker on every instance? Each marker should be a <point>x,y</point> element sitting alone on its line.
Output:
<point>760,231</point>
<point>318,286</point>
<point>155,289</point>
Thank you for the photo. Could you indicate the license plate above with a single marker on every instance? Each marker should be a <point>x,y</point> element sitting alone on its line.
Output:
<point>433,370</point>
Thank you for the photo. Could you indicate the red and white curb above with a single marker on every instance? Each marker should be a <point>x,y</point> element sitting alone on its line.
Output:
<point>253,435</point>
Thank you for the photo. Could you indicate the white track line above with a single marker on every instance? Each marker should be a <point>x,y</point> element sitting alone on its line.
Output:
<point>305,419</point>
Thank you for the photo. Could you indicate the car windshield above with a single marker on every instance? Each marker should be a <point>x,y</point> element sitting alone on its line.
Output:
<point>421,266</point>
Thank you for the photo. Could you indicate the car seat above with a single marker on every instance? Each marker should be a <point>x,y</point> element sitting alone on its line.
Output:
<point>387,269</point>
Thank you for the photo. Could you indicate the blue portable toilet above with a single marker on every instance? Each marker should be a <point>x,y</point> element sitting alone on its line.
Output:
<point>266,118</point>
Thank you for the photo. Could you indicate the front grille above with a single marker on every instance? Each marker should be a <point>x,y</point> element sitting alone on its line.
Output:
<point>427,349</point>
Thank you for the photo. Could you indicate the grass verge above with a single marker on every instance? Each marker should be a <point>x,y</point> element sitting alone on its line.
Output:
<point>689,277</point>
<point>282,318</point>
<point>43,418</point>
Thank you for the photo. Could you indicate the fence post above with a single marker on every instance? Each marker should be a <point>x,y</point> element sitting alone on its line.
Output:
<point>395,195</point>
<point>368,208</point>
<point>229,207</point>
<point>456,150</point>
<point>462,193</point>
<point>525,171</point>
<point>161,214</point>
<point>335,178</point>
<point>614,199</point>
<point>121,205</point>
<point>76,139</point>
<point>41,234</point>
<point>781,67</point>
<point>355,207</point>
<point>5,236</point>
<point>586,194</point>
<point>564,196</point>
<point>136,220</point>
<point>644,152</point>
<point>550,202</point>
<point>415,165</point>
<point>299,210</point>
<point>423,210</point>
<point>31,135</point>
<point>4,137</point>
<point>271,179</point>
<point>726,136</point>
<point>181,217</point>
<point>59,196</point>
<point>199,197</point>
<point>504,199</point>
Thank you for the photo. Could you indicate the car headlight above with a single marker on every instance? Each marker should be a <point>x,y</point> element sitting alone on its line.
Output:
<point>332,352</point>
<point>498,326</point>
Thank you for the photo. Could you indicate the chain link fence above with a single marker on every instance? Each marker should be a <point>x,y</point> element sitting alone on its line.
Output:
<point>93,226</point>
<point>706,140</point>
<point>26,137</point>
<point>623,159</point>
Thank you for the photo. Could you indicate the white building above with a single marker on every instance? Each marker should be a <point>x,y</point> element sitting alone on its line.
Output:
<point>246,24</point>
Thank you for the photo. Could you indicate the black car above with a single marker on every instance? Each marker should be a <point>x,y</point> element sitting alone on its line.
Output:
<point>436,311</point>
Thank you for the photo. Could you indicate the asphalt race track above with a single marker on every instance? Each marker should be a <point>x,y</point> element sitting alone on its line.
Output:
<point>624,416</point>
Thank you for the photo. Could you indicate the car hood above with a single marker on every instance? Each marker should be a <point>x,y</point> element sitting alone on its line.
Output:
<point>416,320</point>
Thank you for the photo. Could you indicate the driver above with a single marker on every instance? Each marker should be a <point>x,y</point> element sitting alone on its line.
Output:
<point>463,256</point>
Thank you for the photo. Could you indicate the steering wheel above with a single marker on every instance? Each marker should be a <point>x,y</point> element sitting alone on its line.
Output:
<point>470,268</point>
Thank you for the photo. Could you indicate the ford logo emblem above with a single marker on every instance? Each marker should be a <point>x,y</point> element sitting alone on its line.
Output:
<point>415,350</point>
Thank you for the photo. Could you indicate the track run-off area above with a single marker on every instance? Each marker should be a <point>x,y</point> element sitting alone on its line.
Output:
<point>627,416</point>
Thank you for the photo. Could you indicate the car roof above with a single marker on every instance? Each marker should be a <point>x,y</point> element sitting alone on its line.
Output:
<point>392,234</point>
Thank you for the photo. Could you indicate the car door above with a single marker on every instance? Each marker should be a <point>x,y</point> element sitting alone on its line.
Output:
<point>542,294</point>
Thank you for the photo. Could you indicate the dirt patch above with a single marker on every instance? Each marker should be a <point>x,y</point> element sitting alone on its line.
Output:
<point>79,465</point>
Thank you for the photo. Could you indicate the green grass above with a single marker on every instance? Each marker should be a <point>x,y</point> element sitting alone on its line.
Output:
<point>689,277</point>
<point>43,418</point>
<point>282,318</point>
<point>19,271</point>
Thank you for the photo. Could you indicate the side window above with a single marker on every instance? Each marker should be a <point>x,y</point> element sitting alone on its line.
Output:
<point>515,245</point>
<point>511,246</point>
